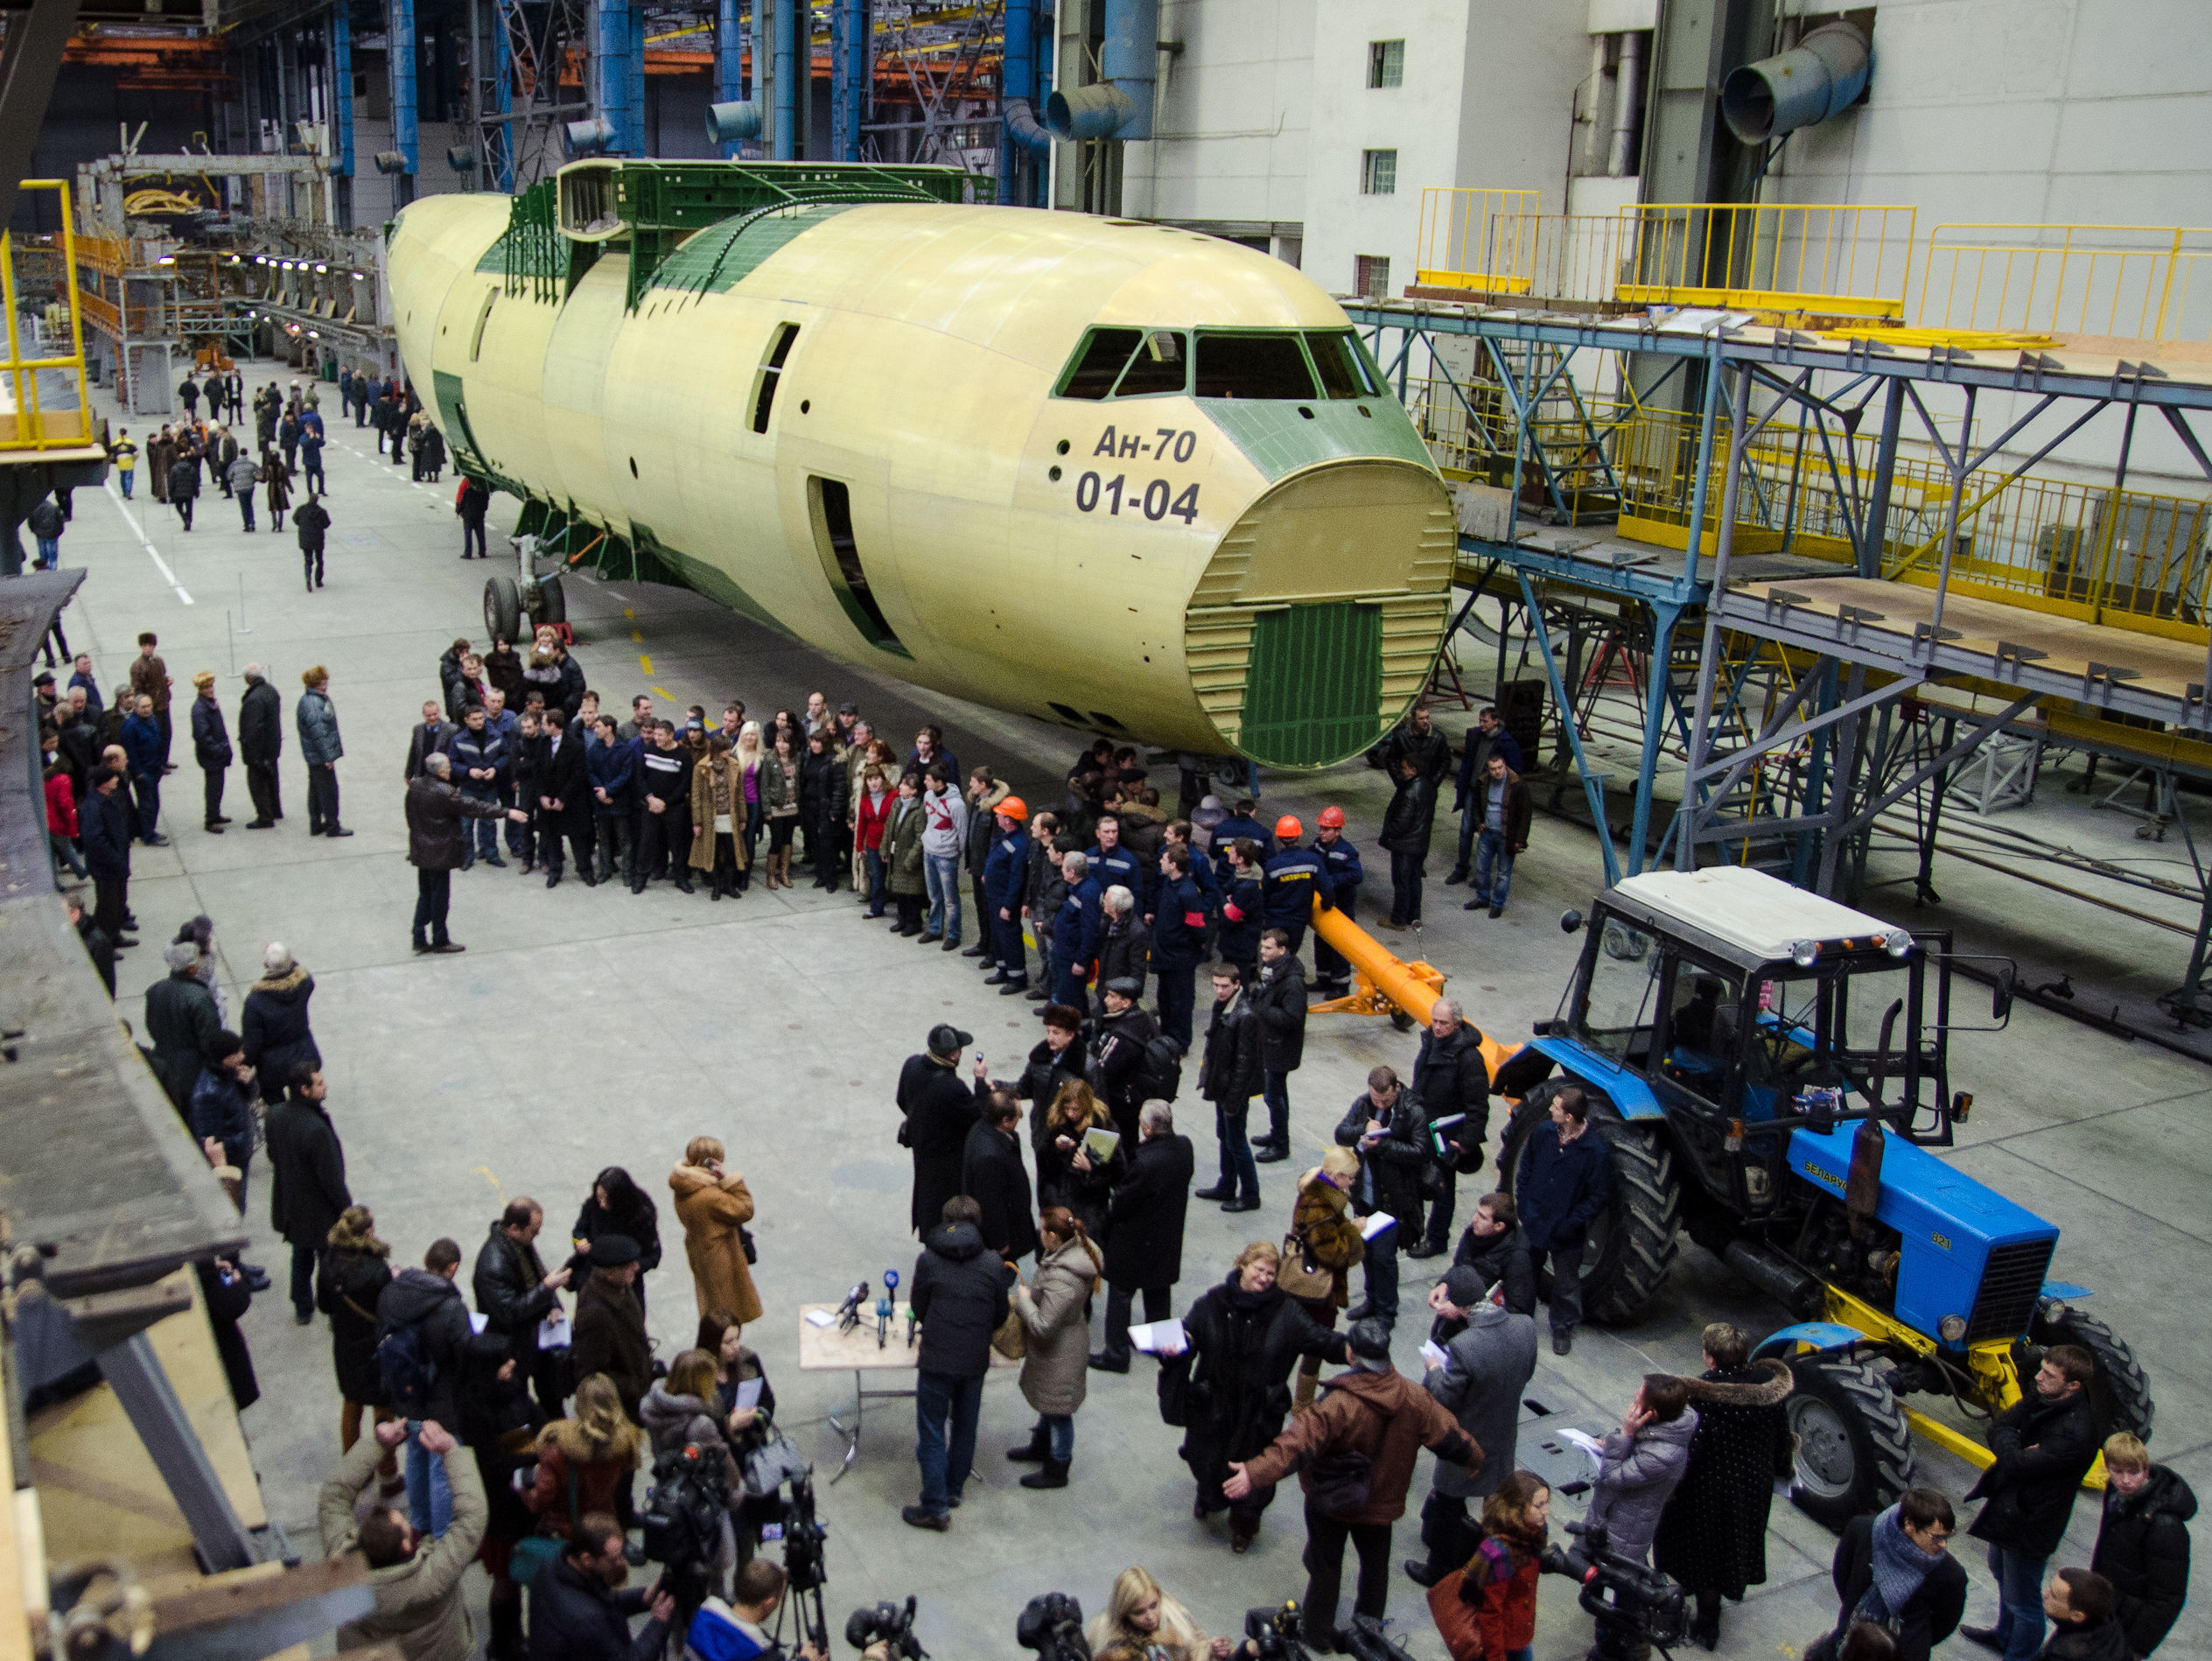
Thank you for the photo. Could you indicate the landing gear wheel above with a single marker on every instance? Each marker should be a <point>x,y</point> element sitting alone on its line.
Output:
<point>1632,1243</point>
<point>502,609</point>
<point>2122,1395</point>
<point>1854,1449</point>
<point>552,604</point>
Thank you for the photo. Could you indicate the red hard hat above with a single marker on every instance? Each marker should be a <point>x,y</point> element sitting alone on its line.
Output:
<point>1331,818</point>
<point>1013,806</point>
<point>1288,828</point>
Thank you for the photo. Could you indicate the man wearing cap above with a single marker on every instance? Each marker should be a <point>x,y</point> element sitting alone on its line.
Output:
<point>1297,879</point>
<point>1118,1047</point>
<point>1376,1412</point>
<point>1489,1356</point>
<point>938,1110</point>
<point>211,748</point>
<point>1340,860</point>
<point>610,1327</point>
<point>1005,877</point>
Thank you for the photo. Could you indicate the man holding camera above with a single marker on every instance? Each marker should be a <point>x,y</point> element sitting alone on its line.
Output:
<point>578,1611</point>
<point>1385,1420</point>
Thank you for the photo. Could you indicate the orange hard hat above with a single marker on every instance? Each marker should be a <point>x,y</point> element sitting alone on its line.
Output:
<point>1288,828</point>
<point>1331,818</point>
<point>1013,806</point>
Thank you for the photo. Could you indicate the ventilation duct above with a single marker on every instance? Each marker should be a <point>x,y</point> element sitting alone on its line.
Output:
<point>1821,77</point>
<point>1120,105</point>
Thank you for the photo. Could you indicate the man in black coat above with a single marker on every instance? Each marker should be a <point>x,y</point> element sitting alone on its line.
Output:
<point>565,802</point>
<point>104,828</point>
<point>1229,1077</point>
<point>426,1301</point>
<point>1119,1045</point>
<point>2045,1444</point>
<point>1416,739</point>
<point>1492,1246</point>
<point>1565,1182</point>
<point>2143,1541</point>
<point>610,1334</point>
<point>959,1295</point>
<point>939,1112</point>
<point>1144,1230</point>
<point>307,1180</point>
<point>991,1174</point>
<point>1916,1530</point>
<point>261,740</point>
<point>1406,824</point>
<point>437,842</point>
<point>1451,1080</point>
<point>514,1293</point>
<point>1054,1059</point>
<point>1384,1124</point>
<point>1278,1003</point>
<point>576,1613</point>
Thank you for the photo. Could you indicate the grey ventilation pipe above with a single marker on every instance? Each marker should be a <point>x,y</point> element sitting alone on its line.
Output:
<point>1821,77</point>
<point>1119,106</point>
<point>581,138</point>
<point>1628,106</point>
<point>732,123</point>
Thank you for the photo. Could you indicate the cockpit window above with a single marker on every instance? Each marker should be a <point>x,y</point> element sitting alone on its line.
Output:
<point>1252,365</point>
<point>1098,363</point>
<point>1343,366</point>
<point>1161,365</point>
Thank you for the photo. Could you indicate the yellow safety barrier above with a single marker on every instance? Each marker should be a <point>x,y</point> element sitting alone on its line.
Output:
<point>1481,239</point>
<point>2135,282</point>
<point>29,424</point>
<point>1819,259</point>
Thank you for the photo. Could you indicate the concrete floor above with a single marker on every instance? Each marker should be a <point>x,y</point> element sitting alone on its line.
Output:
<point>588,1028</point>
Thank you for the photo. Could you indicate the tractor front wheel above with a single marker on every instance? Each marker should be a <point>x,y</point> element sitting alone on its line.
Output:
<point>2122,1395</point>
<point>1854,1448</point>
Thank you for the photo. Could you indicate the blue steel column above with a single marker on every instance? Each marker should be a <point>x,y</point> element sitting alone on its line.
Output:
<point>851,67</point>
<point>1593,782</point>
<point>1664,616</point>
<point>729,61</point>
<point>790,16</point>
<point>341,75</point>
<point>400,58</point>
<point>620,46</point>
<point>502,149</point>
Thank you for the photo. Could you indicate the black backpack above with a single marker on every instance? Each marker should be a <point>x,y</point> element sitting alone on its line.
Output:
<point>1159,1075</point>
<point>404,1368</point>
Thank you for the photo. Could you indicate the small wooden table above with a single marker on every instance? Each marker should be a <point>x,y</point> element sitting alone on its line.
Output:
<point>828,1349</point>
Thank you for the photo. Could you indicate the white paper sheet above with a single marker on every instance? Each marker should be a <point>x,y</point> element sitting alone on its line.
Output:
<point>477,1323</point>
<point>1158,1336</point>
<point>749,1390</point>
<point>822,1317</point>
<point>1434,1355</point>
<point>553,1332</point>
<point>1377,1224</point>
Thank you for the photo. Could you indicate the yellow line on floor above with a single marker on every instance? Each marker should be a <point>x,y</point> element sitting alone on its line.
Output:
<point>646,663</point>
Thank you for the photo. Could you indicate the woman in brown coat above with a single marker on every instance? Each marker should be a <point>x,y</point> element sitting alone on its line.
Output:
<point>1322,1224</point>
<point>714,1206</point>
<point>718,817</point>
<point>600,1446</point>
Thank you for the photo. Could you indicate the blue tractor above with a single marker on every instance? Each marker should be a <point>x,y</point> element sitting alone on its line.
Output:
<point>1769,1067</point>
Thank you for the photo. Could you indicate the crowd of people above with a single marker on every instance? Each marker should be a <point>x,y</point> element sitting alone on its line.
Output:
<point>513,1435</point>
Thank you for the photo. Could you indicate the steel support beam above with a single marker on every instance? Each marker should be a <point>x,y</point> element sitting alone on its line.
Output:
<point>1592,781</point>
<point>399,60</point>
<point>133,1372</point>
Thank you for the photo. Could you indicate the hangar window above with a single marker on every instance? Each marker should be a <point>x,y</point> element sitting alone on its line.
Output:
<point>1252,365</point>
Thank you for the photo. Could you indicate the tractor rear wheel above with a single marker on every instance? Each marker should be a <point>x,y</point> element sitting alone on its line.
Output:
<point>2121,1393</point>
<point>1633,1241</point>
<point>1854,1448</point>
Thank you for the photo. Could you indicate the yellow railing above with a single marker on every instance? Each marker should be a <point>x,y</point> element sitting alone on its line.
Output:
<point>48,408</point>
<point>1829,259</point>
<point>1480,239</point>
<point>2139,282</point>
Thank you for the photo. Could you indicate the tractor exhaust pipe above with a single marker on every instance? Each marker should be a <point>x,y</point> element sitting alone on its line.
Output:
<point>1776,1276</point>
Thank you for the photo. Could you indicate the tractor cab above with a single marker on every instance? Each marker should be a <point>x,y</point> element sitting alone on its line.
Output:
<point>1738,1008</point>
